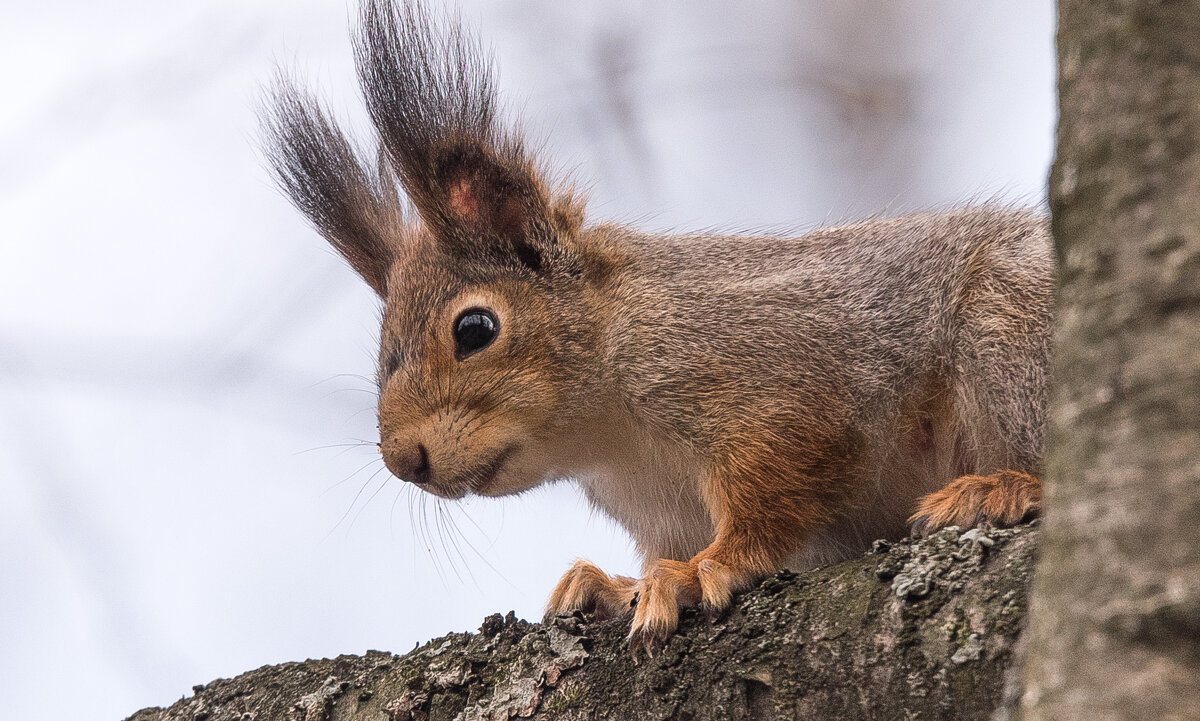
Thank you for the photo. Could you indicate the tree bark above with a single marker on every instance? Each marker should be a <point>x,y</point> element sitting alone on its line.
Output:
<point>1116,611</point>
<point>916,629</point>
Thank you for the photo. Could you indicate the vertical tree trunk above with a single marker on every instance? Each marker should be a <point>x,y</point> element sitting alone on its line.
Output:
<point>1116,611</point>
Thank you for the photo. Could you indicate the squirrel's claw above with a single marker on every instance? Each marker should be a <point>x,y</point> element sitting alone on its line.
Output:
<point>644,641</point>
<point>656,613</point>
<point>918,525</point>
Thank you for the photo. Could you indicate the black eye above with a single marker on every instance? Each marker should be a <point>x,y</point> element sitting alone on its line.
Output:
<point>474,330</point>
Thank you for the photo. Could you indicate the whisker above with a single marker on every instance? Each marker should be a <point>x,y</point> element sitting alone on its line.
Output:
<point>491,540</point>
<point>429,547</point>
<point>358,413</point>
<point>370,391</point>
<point>413,524</point>
<point>441,533</point>
<point>356,376</point>
<point>352,475</point>
<point>344,446</point>
<point>392,512</point>
<point>353,502</point>
<point>475,550</point>
<point>369,499</point>
<point>455,537</point>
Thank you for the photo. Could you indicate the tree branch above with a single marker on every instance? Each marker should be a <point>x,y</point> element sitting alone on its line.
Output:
<point>916,629</point>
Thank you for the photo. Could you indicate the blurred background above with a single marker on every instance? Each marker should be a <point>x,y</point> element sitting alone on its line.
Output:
<point>185,368</point>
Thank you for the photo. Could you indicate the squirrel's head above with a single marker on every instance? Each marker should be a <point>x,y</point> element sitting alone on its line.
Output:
<point>487,335</point>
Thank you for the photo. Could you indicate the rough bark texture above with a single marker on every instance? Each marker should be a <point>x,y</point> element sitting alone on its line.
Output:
<point>1116,611</point>
<point>913,630</point>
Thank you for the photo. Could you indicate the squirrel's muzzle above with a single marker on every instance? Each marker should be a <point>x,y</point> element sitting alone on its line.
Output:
<point>409,463</point>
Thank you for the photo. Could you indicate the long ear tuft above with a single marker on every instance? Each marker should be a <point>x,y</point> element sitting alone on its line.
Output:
<point>314,163</point>
<point>429,90</point>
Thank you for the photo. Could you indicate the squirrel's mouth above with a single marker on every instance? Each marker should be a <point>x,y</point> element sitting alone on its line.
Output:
<point>479,479</point>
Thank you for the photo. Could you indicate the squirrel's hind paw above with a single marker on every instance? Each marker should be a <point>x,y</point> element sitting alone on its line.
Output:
<point>1004,498</point>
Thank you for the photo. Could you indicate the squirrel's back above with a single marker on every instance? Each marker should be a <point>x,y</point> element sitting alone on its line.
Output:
<point>851,311</point>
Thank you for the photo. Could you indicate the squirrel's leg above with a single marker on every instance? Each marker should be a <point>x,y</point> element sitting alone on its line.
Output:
<point>584,587</point>
<point>1000,403</point>
<point>1003,498</point>
<point>761,519</point>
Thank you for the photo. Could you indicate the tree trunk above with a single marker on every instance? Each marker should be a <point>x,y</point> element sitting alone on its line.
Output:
<point>1116,611</point>
<point>912,630</point>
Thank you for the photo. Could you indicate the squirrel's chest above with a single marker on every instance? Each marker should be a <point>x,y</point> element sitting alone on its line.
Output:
<point>655,495</point>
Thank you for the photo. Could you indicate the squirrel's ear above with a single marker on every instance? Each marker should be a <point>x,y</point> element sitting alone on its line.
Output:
<point>356,210</point>
<point>430,94</point>
<point>483,196</point>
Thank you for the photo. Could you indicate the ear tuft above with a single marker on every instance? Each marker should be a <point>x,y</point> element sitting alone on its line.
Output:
<point>317,167</point>
<point>567,212</point>
<point>430,93</point>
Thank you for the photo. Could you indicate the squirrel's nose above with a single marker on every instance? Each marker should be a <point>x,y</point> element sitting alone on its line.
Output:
<point>412,466</point>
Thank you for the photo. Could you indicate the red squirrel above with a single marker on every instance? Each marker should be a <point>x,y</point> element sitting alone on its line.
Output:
<point>739,404</point>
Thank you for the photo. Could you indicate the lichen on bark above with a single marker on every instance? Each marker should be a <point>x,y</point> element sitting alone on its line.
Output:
<point>914,629</point>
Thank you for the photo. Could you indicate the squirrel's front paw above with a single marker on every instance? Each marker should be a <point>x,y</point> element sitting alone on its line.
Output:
<point>584,587</point>
<point>670,585</point>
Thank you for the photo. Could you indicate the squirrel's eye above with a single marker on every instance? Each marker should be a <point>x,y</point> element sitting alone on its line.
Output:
<point>474,330</point>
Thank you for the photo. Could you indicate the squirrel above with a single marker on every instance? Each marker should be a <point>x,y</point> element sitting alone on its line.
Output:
<point>738,403</point>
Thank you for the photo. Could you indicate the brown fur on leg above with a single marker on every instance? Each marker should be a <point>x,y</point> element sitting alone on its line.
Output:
<point>584,587</point>
<point>1003,498</point>
<point>762,513</point>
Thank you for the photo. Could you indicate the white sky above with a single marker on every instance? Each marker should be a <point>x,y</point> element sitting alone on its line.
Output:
<point>180,355</point>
